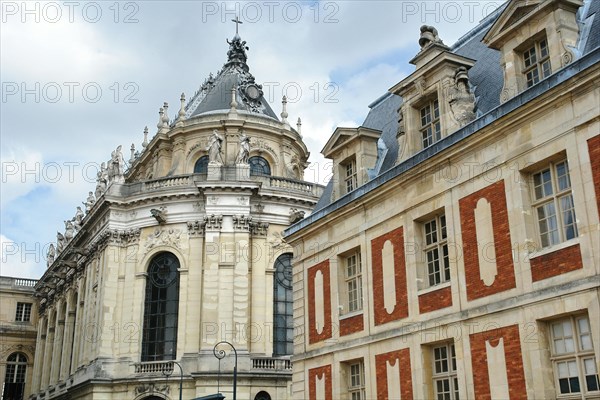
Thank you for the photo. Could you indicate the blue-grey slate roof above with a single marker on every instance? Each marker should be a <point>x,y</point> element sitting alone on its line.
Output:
<point>486,78</point>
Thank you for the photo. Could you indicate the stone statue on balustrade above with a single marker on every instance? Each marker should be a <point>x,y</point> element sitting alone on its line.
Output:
<point>101,180</point>
<point>214,148</point>
<point>69,231</point>
<point>78,219</point>
<point>50,255</point>
<point>89,202</point>
<point>244,151</point>
<point>60,242</point>
<point>117,166</point>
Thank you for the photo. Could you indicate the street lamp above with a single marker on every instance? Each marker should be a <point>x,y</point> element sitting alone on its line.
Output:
<point>220,354</point>
<point>180,376</point>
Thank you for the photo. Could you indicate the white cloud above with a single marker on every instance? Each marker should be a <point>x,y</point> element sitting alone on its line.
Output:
<point>172,48</point>
<point>24,260</point>
<point>21,172</point>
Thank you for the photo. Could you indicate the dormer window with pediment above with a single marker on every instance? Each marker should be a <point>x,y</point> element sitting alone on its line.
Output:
<point>350,181</point>
<point>536,61</point>
<point>436,98</point>
<point>535,38</point>
<point>431,130</point>
<point>353,152</point>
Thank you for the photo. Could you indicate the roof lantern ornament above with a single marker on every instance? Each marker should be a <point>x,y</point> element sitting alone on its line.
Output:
<point>237,49</point>
<point>429,36</point>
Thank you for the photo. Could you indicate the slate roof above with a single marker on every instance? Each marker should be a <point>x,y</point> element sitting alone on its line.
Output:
<point>215,93</point>
<point>486,78</point>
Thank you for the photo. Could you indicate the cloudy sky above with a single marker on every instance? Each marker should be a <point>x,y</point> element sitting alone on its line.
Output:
<point>80,78</point>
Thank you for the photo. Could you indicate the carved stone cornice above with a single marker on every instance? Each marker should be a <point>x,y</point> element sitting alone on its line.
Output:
<point>114,237</point>
<point>213,222</point>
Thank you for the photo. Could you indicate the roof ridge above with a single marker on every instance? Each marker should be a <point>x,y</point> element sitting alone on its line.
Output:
<point>483,24</point>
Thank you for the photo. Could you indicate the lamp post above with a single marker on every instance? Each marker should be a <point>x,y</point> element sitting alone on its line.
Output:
<point>220,354</point>
<point>180,376</point>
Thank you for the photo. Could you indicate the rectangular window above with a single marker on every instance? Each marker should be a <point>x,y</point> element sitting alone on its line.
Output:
<point>356,380</point>
<point>536,60</point>
<point>445,382</point>
<point>23,313</point>
<point>553,204</point>
<point>350,176</point>
<point>430,123</point>
<point>573,356</point>
<point>436,251</point>
<point>353,280</point>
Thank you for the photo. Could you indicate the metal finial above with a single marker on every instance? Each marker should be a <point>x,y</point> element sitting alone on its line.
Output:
<point>237,22</point>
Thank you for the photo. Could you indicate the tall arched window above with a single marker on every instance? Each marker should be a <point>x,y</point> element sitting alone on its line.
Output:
<point>14,380</point>
<point>161,309</point>
<point>259,166</point>
<point>283,329</point>
<point>201,166</point>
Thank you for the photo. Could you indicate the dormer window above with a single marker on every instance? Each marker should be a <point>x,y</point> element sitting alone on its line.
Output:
<point>350,176</point>
<point>430,123</point>
<point>536,60</point>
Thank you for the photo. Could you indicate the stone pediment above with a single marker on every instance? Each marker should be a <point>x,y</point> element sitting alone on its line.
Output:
<point>344,136</point>
<point>518,12</point>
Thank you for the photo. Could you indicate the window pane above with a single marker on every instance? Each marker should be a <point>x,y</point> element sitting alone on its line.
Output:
<point>282,307</point>
<point>563,370</point>
<point>590,366</point>
<point>543,48</point>
<point>564,385</point>
<point>574,383</point>
<point>592,382</point>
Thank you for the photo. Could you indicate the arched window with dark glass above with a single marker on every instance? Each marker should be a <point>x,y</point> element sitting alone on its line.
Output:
<point>201,166</point>
<point>14,379</point>
<point>259,166</point>
<point>283,329</point>
<point>161,309</point>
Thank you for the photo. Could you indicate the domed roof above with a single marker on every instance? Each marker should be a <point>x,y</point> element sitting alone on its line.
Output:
<point>215,93</point>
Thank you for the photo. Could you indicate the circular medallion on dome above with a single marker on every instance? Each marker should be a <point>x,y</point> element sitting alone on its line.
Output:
<point>253,92</point>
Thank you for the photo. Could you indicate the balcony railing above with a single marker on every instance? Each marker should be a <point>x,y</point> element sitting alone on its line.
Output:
<point>17,283</point>
<point>154,367</point>
<point>272,364</point>
<point>227,174</point>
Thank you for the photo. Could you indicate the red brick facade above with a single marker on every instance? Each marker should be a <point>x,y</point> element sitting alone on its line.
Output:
<point>351,325</point>
<point>505,279</point>
<point>512,355</point>
<point>396,237</point>
<point>556,263</point>
<point>403,357</point>
<point>435,300</point>
<point>594,150</point>
<point>313,335</point>
<point>322,373</point>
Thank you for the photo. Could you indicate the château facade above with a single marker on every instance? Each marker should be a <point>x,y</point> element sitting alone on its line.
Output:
<point>455,254</point>
<point>178,249</point>
<point>18,328</point>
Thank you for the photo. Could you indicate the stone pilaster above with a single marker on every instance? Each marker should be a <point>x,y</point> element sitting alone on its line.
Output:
<point>58,342</point>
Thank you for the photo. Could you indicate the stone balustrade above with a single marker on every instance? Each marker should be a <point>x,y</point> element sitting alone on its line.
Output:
<point>272,364</point>
<point>154,367</point>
